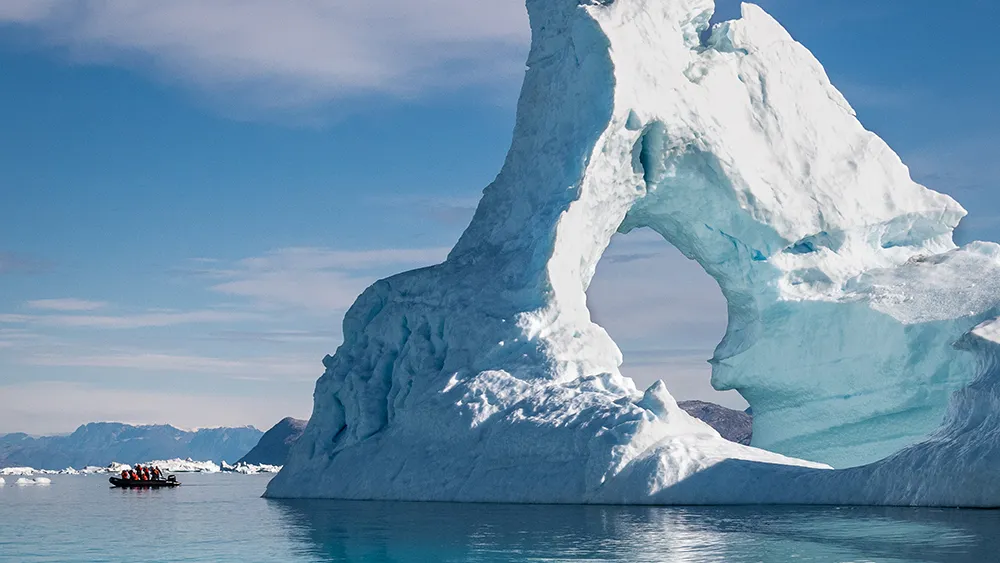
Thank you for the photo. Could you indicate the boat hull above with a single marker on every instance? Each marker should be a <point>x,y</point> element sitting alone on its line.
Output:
<point>136,484</point>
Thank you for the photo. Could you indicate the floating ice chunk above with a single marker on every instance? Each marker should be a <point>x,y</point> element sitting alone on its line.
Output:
<point>24,481</point>
<point>9,471</point>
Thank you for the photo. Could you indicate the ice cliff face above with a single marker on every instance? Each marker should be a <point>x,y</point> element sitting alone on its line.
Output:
<point>484,378</point>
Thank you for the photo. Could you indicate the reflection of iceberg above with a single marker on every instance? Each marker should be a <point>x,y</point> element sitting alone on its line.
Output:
<point>483,378</point>
<point>364,531</point>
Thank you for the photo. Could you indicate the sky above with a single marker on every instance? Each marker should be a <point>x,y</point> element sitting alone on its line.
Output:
<point>193,192</point>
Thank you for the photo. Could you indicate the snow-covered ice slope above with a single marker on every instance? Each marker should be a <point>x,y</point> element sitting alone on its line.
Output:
<point>484,379</point>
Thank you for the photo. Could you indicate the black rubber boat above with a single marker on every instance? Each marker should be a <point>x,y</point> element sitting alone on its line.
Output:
<point>151,484</point>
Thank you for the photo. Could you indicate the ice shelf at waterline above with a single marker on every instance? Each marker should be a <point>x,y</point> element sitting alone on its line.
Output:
<point>851,311</point>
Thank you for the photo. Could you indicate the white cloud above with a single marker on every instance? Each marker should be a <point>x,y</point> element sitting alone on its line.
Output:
<point>317,280</point>
<point>66,304</point>
<point>122,322</point>
<point>244,368</point>
<point>54,407</point>
<point>292,54</point>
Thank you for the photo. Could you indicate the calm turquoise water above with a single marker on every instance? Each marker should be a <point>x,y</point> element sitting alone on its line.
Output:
<point>222,518</point>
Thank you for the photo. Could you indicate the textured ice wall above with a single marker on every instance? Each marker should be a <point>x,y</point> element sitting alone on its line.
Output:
<point>484,379</point>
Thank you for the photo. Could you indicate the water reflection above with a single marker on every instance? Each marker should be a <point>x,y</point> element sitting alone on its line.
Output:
<point>376,531</point>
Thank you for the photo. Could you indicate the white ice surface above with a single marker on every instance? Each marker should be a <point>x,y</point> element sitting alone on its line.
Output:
<point>484,379</point>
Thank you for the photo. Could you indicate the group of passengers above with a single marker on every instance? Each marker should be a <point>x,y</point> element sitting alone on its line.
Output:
<point>142,473</point>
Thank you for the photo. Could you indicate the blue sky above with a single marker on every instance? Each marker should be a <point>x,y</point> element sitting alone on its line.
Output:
<point>192,193</point>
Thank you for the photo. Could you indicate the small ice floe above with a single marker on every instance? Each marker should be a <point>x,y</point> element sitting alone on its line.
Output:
<point>24,481</point>
<point>67,471</point>
<point>13,471</point>
<point>184,466</point>
<point>250,468</point>
<point>2,482</point>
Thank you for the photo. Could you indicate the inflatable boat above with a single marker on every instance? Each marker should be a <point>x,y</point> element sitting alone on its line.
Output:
<point>170,481</point>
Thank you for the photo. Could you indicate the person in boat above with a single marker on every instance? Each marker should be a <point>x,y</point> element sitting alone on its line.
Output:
<point>156,474</point>
<point>125,474</point>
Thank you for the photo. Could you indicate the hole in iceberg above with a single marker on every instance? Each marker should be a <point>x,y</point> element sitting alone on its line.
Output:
<point>665,313</point>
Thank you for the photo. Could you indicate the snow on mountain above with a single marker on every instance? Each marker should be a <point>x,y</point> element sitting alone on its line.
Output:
<point>272,449</point>
<point>100,443</point>
<point>484,379</point>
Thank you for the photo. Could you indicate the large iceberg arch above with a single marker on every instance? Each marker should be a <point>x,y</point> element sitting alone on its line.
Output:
<point>851,311</point>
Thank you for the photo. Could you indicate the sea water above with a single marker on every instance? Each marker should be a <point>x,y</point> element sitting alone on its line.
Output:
<point>221,518</point>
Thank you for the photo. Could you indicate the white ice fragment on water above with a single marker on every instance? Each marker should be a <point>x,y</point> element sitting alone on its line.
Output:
<point>9,471</point>
<point>24,481</point>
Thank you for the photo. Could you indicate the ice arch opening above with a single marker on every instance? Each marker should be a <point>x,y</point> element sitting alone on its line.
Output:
<point>665,313</point>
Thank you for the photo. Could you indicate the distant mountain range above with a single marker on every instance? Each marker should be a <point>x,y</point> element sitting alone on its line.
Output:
<point>735,426</point>
<point>273,446</point>
<point>100,443</point>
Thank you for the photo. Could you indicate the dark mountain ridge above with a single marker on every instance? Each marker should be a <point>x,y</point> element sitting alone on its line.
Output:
<point>733,425</point>
<point>275,443</point>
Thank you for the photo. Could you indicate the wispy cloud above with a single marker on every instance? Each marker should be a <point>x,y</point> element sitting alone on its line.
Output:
<point>67,304</point>
<point>327,337</point>
<point>121,322</point>
<point>52,407</point>
<point>279,55</point>
<point>451,211</point>
<point>251,369</point>
<point>314,279</point>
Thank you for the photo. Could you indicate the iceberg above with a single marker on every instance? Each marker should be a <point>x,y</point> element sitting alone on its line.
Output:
<point>245,468</point>
<point>2,481</point>
<point>863,338</point>
<point>9,471</point>
<point>184,466</point>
